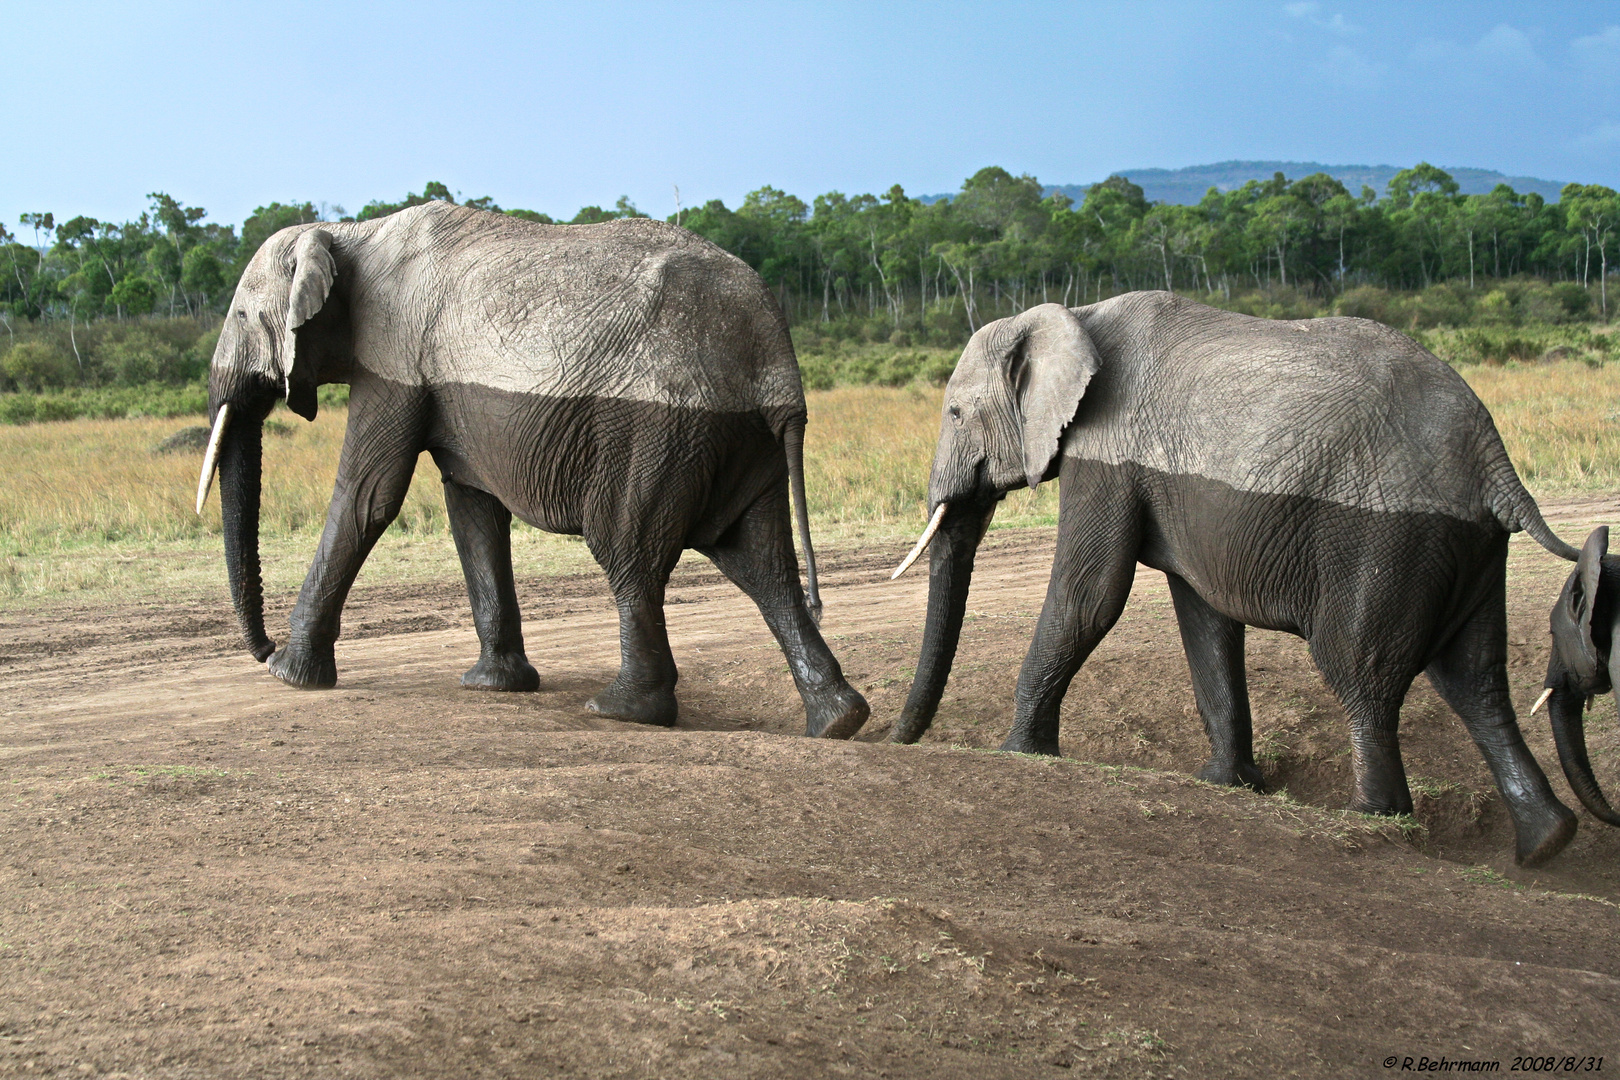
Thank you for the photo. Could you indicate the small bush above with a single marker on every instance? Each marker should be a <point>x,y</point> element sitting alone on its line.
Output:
<point>1522,344</point>
<point>16,408</point>
<point>1367,302</point>
<point>1282,302</point>
<point>139,354</point>
<point>1575,299</point>
<point>38,365</point>
<point>111,403</point>
<point>848,364</point>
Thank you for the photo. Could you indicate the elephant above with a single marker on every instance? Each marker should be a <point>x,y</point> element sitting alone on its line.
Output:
<point>627,382</point>
<point>1585,625</point>
<point>1326,477</point>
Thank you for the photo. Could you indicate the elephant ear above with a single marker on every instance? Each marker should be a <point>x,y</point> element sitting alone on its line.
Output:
<point>1050,360</point>
<point>1572,615</point>
<point>314,270</point>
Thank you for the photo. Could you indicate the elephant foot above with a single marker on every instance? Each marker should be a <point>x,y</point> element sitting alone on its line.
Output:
<point>1544,835</point>
<point>1024,742</point>
<point>908,729</point>
<point>1383,805</point>
<point>837,715</point>
<point>1233,774</point>
<point>510,672</point>
<point>655,707</point>
<point>304,669</point>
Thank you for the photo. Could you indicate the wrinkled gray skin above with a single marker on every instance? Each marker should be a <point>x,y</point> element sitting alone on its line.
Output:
<point>1328,478</point>
<point>627,382</point>
<point>1585,627</point>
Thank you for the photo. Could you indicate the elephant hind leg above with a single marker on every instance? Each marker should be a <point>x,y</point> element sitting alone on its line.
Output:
<point>482,528</point>
<point>756,553</point>
<point>1471,674</point>
<point>1214,647</point>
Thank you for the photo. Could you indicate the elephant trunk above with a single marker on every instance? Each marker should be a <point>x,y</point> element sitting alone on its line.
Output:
<point>240,472</point>
<point>1564,708</point>
<point>950,571</point>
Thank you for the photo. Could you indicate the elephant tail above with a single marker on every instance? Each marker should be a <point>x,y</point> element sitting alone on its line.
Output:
<point>793,441</point>
<point>1516,509</point>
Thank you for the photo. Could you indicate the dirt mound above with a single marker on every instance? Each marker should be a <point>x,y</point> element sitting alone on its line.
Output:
<point>188,440</point>
<point>207,873</point>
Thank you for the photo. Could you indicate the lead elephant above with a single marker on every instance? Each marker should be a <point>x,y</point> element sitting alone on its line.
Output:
<point>628,382</point>
<point>1328,478</point>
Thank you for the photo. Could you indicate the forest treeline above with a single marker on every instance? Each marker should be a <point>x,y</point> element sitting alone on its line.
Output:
<point>77,295</point>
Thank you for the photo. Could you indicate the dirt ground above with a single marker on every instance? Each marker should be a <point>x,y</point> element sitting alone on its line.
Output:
<point>204,873</point>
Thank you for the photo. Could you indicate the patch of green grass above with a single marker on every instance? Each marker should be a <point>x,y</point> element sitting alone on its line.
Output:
<point>1434,789</point>
<point>105,403</point>
<point>1484,875</point>
<point>145,774</point>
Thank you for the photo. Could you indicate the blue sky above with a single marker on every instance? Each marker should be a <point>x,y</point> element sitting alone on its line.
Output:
<point>554,106</point>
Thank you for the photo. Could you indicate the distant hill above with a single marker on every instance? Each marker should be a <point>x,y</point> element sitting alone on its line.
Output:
<point>1187,186</point>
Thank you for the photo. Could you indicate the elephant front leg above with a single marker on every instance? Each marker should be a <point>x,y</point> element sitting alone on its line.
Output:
<point>644,689</point>
<point>1214,647</point>
<point>380,449</point>
<point>1092,575</point>
<point>482,528</point>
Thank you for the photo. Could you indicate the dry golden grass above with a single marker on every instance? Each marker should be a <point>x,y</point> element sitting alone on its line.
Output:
<point>1560,422</point>
<point>87,506</point>
<point>868,450</point>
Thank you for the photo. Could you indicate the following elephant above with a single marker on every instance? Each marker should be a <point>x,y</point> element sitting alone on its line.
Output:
<point>1326,477</point>
<point>1585,627</point>
<point>627,382</point>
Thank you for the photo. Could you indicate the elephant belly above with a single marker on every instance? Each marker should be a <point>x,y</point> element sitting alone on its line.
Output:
<point>586,465</point>
<point>1289,562</point>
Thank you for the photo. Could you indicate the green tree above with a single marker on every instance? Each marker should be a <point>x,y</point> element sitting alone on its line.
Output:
<point>134,295</point>
<point>1593,212</point>
<point>265,222</point>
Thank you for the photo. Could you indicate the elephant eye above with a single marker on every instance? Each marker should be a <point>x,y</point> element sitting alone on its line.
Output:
<point>956,412</point>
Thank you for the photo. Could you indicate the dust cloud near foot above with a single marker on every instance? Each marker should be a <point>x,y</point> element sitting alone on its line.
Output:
<point>208,873</point>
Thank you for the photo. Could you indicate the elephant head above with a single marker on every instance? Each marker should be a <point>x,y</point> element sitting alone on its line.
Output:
<point>285,328</point>
<point>1016,387</point>
<point>1585,630</point>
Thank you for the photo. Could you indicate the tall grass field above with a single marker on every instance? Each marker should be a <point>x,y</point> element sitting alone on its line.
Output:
<point>88,506</point>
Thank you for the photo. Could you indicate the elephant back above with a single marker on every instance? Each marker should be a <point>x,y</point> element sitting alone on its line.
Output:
<point>633,309</point>
<point>1344,411</point>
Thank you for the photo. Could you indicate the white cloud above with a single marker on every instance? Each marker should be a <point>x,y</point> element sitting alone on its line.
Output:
<point>1311,12</point>
<point>1505,48</point>
<point>1509,47</point>
<point>1599,54</point>
<point>1346,67</point>
<point>1603,137</point>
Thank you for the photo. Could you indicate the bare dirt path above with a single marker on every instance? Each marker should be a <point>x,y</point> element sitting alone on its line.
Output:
<point>206,874</point>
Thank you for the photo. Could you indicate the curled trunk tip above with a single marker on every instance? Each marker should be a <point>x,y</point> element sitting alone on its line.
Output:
<point>1569,733</point>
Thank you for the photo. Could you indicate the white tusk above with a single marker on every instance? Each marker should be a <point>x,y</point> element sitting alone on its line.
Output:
<point>922,542</point>
<point>1540,701</point>
<point>211,458</point>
